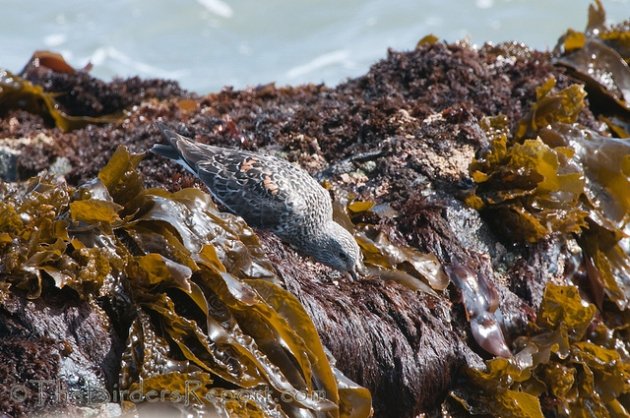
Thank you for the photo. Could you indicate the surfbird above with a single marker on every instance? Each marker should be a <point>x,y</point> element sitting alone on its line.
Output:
<point>269,193</point>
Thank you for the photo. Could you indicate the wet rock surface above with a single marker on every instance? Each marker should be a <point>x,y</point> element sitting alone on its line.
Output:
<point>55,354</point>
<point>403,135</point>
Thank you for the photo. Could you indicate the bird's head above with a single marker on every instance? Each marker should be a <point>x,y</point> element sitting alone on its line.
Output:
<point>338,249</point>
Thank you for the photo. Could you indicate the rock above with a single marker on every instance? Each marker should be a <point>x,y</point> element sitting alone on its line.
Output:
<point>414,116</point>
<point>8,163</point>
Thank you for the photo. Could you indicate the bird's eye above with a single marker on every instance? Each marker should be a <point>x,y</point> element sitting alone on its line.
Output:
<point>342,256</point>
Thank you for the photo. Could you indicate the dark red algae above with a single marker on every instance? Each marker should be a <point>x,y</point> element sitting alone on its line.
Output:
<point>496,279</point>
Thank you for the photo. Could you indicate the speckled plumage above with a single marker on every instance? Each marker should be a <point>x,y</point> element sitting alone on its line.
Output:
<point>269,193</point>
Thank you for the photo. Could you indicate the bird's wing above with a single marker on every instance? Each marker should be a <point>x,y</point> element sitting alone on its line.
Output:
<point>264,190</point>
<point>255,187</point>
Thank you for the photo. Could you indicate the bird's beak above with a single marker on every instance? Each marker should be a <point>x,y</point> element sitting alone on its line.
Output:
<point>353,274</point>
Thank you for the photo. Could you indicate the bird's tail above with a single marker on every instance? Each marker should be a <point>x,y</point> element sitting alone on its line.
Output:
<point>171,150</point>
<point>165,151</point>
<point>169,134</point>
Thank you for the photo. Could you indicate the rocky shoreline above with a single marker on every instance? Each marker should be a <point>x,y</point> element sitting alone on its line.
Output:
<point>402,137</point>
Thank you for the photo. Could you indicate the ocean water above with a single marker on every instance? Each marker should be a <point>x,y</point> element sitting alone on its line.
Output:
<point>208,44</point>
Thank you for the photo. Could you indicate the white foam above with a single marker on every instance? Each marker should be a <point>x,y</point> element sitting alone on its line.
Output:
<point>217,7</point>
<point>54,39</point>
<point>100,55</point>
<point>484,4</point>
<point>331,58</point>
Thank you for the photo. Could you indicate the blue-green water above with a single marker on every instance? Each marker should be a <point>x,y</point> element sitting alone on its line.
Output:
<point>206,44</point>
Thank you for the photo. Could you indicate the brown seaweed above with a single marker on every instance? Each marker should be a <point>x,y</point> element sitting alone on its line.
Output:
<point>564,367</point>
<point>481,301</point>
<point>18,93</point>
<point>384,259</point>
<point>569,180</point>
<point>207,309</point>
<point>51,61</point>
<point>599,56</point>
<point>551,176</point>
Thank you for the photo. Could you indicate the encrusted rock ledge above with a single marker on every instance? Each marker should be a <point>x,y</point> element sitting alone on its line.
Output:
<point>402,136</point>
